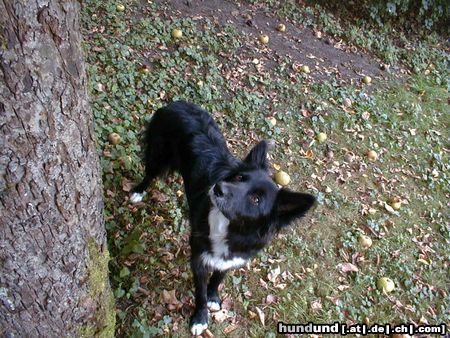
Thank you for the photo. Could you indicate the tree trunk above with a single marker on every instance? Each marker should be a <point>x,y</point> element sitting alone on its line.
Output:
<point>53,254</point>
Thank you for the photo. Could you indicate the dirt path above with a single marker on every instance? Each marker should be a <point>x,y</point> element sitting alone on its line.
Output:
<point>324,55</point>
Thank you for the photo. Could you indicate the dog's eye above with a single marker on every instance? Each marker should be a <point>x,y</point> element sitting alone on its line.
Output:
<point>254,199</point>
<point>237,178</point>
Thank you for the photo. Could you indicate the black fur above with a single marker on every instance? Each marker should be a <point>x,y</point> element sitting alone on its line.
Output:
<point>185,138</point>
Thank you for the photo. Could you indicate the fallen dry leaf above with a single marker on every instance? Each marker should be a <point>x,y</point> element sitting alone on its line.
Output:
<point>261,315</point>
<point>227,303</point>
<point>316,305</point>
<point>343,287</point>
<point>280,286</point>
<point>273,274</point>
<point>229,328</point>
<point>159,197</point>
<point>169,297</point>
<point>208,334</point>
<point>127,185</point>
<point>270,299</point>
<point>220,316</point>
<point>347,267</point>
<point>389,208</point>
<point>263,283</point>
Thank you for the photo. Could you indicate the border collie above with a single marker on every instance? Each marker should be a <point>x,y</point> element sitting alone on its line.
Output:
<point>235,208</point>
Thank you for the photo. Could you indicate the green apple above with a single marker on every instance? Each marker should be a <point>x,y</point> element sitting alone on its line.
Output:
<point>114,138</point>
<point>367,79</point>
<point>385,284</point>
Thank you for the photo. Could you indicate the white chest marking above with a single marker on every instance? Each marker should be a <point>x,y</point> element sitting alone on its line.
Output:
<point>218,229</point>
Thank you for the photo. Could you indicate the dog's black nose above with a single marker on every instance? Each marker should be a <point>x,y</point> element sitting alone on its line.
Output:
<point>218,190</point>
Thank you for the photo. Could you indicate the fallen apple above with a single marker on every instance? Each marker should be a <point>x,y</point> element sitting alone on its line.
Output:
<point>396,202</point>
<point>367,79</point>
<point>144,69</point>
<point>282,178</point>
<point>281,27</point>
<point>264,39</point>
<point>385,284</point>
<point>305,69</point>
<point>372,155</point>
<point>349,157</point>
<point>177,33</point>
<point>120,7</point>
<point>114,138</point>
<point>365,241</point>
<point>272,121</point>
<point>321,137</point>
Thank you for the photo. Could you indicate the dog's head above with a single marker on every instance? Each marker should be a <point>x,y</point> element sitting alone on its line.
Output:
<point>249,195</point>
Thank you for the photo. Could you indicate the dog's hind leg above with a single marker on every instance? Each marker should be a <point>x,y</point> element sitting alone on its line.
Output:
<point>214,302</point>
<point>157,161</point>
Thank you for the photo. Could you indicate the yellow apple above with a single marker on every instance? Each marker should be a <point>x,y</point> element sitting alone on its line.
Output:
<point>177,33</point>
<point>120,7</point>
<point>281,27</point>
<point>321,137</point>
<point>282,178</point>
<point>305,69</point>
<point>396,202</point>
<point>372,155</point>
<point>365,241</point>
<point>264,39</point>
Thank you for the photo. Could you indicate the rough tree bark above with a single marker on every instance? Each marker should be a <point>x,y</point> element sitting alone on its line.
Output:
<point>53,254</point>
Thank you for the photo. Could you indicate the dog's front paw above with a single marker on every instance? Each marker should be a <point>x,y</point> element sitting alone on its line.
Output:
<point>199,322</point>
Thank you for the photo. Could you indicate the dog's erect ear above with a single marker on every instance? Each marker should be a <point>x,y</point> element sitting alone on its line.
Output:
<point>258,155</point>
<point>291,205</point>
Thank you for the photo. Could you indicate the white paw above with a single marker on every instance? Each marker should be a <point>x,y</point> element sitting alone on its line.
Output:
<point>136,197</point>
<point>197,329</point>
<point>213,306</point>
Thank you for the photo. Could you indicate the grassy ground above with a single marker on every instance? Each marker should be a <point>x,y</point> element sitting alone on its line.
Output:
<point>316,271</point>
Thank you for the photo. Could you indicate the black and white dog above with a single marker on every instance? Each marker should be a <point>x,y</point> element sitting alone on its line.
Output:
<point>235,208</point>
